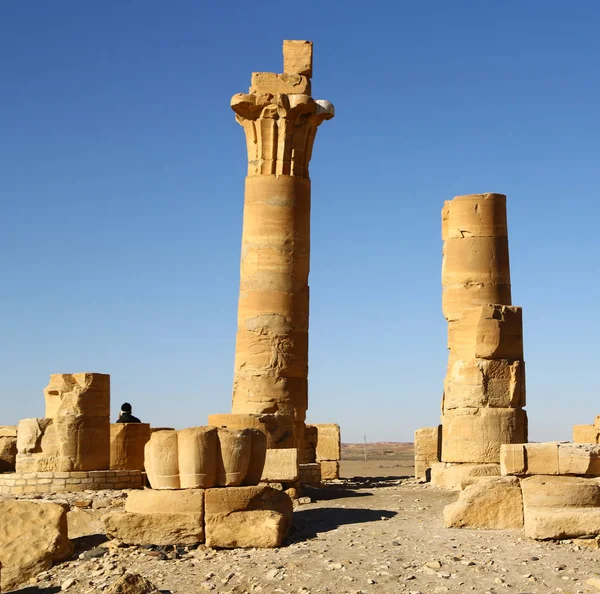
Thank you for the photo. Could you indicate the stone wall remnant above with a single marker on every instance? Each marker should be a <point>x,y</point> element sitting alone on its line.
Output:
<point>427,450</point>
<point>75,434</point>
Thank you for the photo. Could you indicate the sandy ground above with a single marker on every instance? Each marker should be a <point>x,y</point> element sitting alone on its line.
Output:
<point>357,537</point>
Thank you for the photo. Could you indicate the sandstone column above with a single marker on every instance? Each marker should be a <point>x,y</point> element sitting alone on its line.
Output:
<point>280,120</point>
<point>484,391</point>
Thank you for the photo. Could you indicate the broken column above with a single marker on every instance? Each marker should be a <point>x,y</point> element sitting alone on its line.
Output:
<point>8,448</point>
<point>484,391</point>
<point>280,119</point>
<point>75,433</point>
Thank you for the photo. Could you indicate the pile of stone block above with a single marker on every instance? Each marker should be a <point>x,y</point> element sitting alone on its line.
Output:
<point>205,489</point>
<point>552,490</point>
<point>231,517</point>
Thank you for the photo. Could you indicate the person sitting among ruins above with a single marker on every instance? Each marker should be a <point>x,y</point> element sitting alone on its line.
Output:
<point>125,415</point>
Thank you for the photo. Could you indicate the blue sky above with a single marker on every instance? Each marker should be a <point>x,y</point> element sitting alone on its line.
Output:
<point>122,194</point>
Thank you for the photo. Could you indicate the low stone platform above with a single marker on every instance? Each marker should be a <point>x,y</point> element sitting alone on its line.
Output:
<point>227,517</point>
<point>18,483</point>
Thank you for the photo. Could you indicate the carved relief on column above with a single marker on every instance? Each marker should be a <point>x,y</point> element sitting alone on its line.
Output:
<point>280,130</point>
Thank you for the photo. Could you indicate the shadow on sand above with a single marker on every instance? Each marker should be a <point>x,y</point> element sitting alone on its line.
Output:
<point>330,492</point>
<point>373,482</point>
<point>350,487</point>
<point>310,522</point>
<point>35,590</point>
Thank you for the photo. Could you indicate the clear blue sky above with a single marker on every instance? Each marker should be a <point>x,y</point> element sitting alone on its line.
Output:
<point>122,194</point>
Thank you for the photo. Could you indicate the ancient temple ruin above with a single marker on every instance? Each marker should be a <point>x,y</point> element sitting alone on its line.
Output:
<point>69,449</point>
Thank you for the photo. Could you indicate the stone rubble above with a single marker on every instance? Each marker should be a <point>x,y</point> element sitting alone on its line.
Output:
<point>390,539</point>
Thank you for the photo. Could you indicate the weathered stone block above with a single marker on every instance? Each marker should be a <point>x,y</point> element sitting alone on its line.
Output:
<point>150,501</point>
<point>560,492</point>
<point>8,448</point>
<point>479,383</point>
<point>512,459</point>
<point>127,443</point>
<point>280,466</point>
<point>155,528</point>
<point>487,332</point>
<point>310,474</point>
<point>310,444</point>
<point>579,458</point>
<point>329,442</point>
<point>544,523</point>
<point>330,470</point>
<point>542,458</point>
<point>474,215</point>
<point>457,297</point>
<point>453,476</point>
<point>32,537</point>
<point>585,434</point>
<point>274,84</point>
<point>297,57</point>
<point>81,522</point>
<point>475,260</point>
<point>8,431</point>
<point>474,435</point>
<point>63,443</point>
<point>247,517</point>
<point>78,394</point>
<point>427,449</point>
<point>495,504</point>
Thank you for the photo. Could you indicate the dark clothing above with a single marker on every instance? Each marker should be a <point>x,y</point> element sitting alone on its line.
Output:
<point>128,418</point>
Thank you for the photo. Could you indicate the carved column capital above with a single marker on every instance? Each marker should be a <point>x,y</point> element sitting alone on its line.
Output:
<point>280,130</point>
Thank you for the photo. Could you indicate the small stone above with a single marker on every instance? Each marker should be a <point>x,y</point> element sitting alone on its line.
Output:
<point>594,582</point>
<point>67,584</point>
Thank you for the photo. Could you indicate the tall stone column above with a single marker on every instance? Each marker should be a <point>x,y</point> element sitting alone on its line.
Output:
<point>484,390</point>
<point>280,120</point>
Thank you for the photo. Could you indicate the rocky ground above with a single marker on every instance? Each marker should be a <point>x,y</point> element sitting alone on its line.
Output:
<point>357,536</point>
